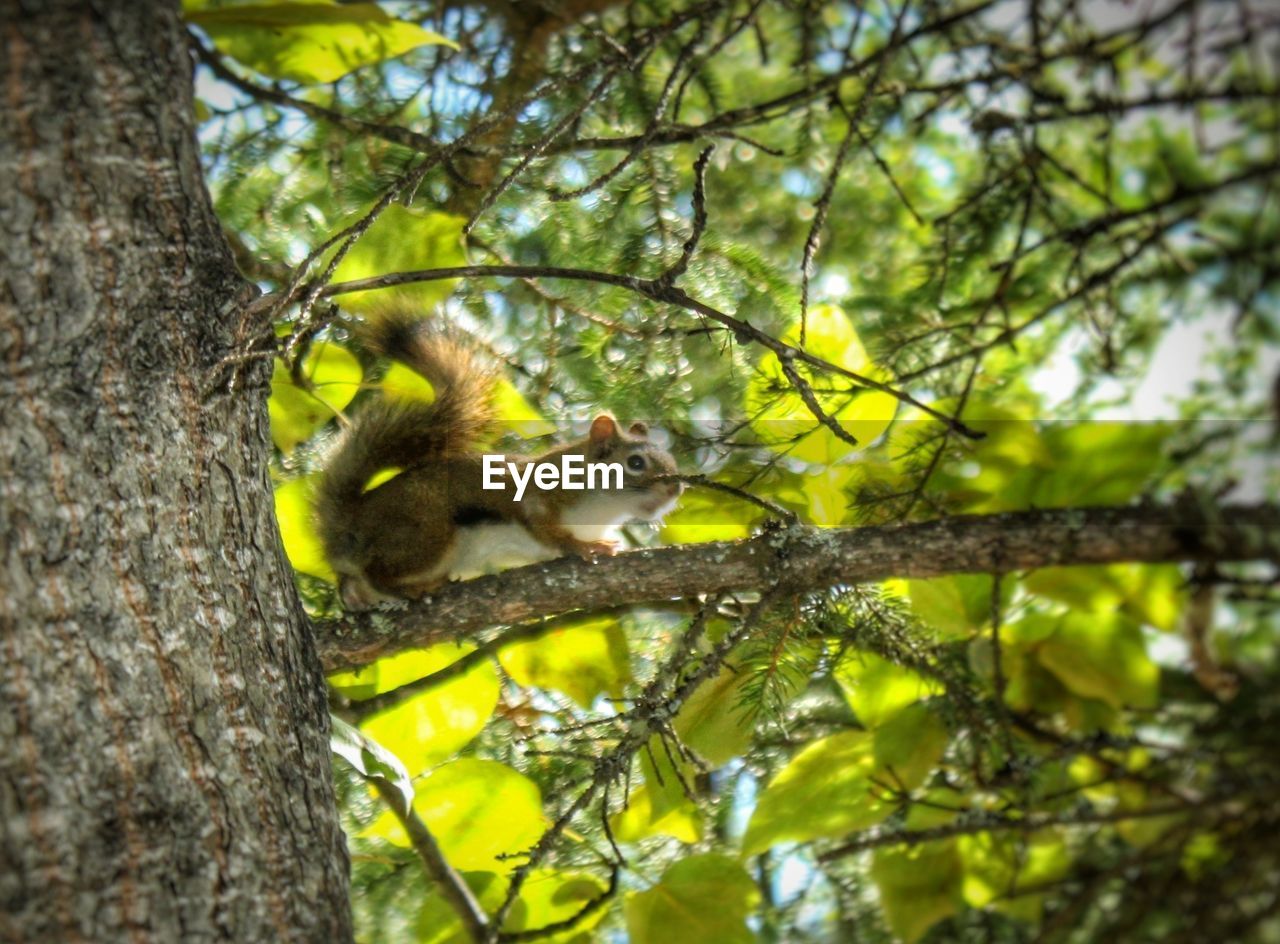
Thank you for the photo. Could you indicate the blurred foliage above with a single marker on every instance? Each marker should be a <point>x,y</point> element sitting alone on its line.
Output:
<point>1053,221</point>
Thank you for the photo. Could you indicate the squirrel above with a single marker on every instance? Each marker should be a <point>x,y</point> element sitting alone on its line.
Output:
<point>434,520</point>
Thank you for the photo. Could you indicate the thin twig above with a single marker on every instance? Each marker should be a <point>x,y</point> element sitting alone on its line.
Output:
<point>567,924</point>
<point>649,288</point>
<point>451,885</point>
<point>678,268</point>
<point>702,481</point>
<point>463,664</point>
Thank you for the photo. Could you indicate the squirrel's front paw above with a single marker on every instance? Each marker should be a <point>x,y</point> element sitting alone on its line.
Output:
<point>589,550</point>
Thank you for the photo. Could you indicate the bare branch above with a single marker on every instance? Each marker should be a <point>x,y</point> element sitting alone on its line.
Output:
<point>446,878</point>
<point>460,666</point>
<point>655,290</point>
<point>699,218</point>
<point>702,481</point>
<point>967,825</point>
<point>588,908</point>
<point>810,399</point>
<point>823,204</point>
<point>396,134</point>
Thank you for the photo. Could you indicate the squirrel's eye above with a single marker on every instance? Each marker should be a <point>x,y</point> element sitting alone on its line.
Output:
<point>635,462</point>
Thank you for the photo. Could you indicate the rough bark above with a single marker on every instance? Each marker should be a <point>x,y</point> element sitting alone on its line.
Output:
<point>164,765</point>
<point>805,559</point>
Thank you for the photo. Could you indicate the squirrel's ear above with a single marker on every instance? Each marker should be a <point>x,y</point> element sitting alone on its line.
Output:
<point>603,427</point>
<point>639,429</point>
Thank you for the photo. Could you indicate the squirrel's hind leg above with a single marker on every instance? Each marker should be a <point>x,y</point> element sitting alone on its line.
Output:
<point>358,593</point>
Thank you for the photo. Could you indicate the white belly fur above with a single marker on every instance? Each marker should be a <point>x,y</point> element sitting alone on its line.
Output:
<point>488,548</point>
<point>597,517</point>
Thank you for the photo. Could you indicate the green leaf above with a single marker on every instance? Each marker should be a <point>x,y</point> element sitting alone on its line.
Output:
<point>438,921</point>
<point>718,719</point>
<point>1103,657</point>
<point>713,721</point>
<point>370,759</point>
<point>311,42</point>
<point>426,728</point>
<point>1203,853</point>
<point>919,885</point>
<point>581,659</point>
<point>954,606</point>
<point>998,867</point>
<point>1142,831</point>
<point>1031,629</point>
<point>335,376</point>
<point>997,473</point>
<point>908,746</point>
<point>1133,455</point>
<point>1154,594</point>
<point>479,811</point>
<point>1029,686</point>
<point>824,791</point>
<point>700,899</point>
<point>295,514</point>
<point>403,239</point>
<point>831,787</point>
<point>877,689</point>
<point>548,896</point>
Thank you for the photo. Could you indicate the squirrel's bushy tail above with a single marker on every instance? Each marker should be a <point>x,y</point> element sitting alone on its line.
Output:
<point>401,432</point>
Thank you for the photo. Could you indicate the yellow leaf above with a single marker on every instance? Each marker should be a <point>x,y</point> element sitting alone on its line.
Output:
<point>581,659</point>
<point>334,375</point>
<point>480,812</point>
<point>406,383</point>
<point>782,419</point>
<point>296,517</point>
<point>825,490</point>
<point>429,727</point>
<point>403,239</point>
<point>636,822</point>
<point>517,414</point>
<point>708,516</point>
<point>514,412</point>
<point>310,42</point>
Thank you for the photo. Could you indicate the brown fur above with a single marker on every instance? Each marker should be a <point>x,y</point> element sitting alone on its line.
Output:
<point>392,540</point>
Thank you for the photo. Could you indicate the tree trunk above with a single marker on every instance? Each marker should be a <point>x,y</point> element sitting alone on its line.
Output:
<point>164,763</point>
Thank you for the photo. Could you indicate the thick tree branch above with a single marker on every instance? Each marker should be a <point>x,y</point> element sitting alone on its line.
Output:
<point>801,558</point>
